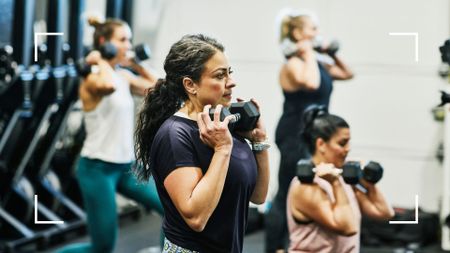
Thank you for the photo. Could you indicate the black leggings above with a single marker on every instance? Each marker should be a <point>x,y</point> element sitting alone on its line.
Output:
<point>277,237</point>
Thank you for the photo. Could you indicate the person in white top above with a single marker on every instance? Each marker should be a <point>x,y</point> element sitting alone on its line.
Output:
<point>108,153</point>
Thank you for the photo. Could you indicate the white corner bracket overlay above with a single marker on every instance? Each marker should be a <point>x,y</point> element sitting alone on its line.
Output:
<point>36,41</point>
<point>415,221</point>
<point>416,39</point>
<point>36,221</point>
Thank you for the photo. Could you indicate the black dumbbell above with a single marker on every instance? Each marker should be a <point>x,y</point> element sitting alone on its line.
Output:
<point>331,49</point>
<point>107,50</point>
<point>249,115</point>
<point>305,171</point>
<point>445,98</point>
<point>83,68</point>
<point>223,114</point>
<point>246,113</point>
<point>445,51</point>
<point>352,172</point>
<point>140,53</point>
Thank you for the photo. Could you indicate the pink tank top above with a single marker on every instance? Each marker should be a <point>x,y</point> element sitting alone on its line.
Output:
<point>313,238</point>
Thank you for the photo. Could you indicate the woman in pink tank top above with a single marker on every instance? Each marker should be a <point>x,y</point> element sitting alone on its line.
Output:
<point>325,216</point>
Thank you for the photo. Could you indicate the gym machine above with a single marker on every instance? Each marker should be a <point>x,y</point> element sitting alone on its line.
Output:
<point>65,82</point>
<point>16,103</point>
<point>36,99</point>
<point>445,98</point>
<point>27,144</point>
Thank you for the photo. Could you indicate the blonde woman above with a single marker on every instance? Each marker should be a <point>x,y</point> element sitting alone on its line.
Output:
<point>305,79</point>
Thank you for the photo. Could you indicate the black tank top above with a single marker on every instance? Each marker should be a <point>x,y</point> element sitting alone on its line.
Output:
<point>295,103</point>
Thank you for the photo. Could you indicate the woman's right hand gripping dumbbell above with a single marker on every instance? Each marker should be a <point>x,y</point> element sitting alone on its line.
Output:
<point>99,78</point>
<point>328,172</point>
<point>215,133</point>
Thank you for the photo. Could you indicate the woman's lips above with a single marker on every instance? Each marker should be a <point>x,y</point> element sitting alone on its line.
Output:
<point>228,96</point>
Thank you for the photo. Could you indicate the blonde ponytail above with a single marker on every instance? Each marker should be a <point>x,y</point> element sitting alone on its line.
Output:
<point>284,29</point>
<point>94,21</point>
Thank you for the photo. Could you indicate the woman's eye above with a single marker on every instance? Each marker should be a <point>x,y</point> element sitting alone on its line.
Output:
<point>221,76</point>
<point>343,144</point>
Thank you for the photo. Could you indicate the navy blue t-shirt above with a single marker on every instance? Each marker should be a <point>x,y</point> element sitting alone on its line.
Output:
<point>177,144</point>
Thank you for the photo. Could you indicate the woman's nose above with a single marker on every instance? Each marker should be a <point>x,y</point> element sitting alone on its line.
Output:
<point>230,83</point>
<point>128,45</point>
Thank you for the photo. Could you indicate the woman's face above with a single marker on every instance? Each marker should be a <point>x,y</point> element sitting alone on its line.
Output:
<point>215,85</point>
<point>121,40</point>
<point>309,30</point>
<point>336,149</point>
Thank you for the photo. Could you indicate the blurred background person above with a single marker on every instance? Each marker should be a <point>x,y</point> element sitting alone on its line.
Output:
<point>104,167</point>
<point>306,77</point>
<point>325,216</point>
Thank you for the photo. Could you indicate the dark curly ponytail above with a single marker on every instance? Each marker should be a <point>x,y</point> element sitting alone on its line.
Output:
<point>318,123</point>
<point>186,58</point>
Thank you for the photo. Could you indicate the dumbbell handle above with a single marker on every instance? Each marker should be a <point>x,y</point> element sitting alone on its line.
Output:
<point>236,117</point>
<point>224,113</point>
<point>306,171</point>
<point>335,170</point>
<point>131,55</point>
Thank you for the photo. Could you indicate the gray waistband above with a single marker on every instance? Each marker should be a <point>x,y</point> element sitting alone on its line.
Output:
<point>170,247</point>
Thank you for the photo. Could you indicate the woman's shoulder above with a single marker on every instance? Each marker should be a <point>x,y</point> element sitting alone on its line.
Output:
<point>294,60</point>
<point>307,190</point>
<point>175,126</point>
<point>293,64</point>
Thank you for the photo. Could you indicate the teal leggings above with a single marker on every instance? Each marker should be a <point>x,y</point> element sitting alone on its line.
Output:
<point>99,182</point>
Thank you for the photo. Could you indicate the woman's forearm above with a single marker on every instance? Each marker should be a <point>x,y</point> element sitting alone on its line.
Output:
<point>378,200</point>
<point>206,194</point>
<point>262,180</point>
<point>345,69</point>
<point>342,209</point>
<point>144,73</point>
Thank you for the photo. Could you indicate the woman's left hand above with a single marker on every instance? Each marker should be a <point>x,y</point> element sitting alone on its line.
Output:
<point>258,134</point>
<point>128,62</point>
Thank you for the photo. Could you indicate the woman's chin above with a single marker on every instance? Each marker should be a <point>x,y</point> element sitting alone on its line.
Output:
<point>225,102</point>
<point>339,164</point>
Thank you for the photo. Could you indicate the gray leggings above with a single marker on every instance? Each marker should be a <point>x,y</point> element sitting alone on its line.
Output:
<point>170,247</point>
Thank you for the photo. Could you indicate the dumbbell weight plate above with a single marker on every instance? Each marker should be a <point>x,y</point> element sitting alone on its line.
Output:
<point>108,51</point>
<point>249,115</point>
<point>351,172</point>
<point>142,52</point>
<point>305,171</point>
<point>372,172</point>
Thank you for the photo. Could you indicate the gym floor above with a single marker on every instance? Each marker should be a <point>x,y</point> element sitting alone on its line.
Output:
<point>142,236</point>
